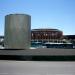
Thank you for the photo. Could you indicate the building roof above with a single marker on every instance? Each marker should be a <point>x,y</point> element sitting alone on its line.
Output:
<point>42,29</point>
<point>69,36</point>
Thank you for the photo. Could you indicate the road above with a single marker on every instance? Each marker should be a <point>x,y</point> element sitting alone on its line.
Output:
<point>36,68</point>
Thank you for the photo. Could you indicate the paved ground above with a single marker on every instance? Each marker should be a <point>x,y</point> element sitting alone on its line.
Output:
<point>36,68</point>
<point>39,51</point>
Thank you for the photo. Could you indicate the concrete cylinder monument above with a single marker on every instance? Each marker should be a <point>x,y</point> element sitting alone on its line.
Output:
<point>17,31</point>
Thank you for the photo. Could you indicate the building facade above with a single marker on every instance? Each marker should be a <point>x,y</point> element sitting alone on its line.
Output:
<point>69,38</point>
<point>46,35</point>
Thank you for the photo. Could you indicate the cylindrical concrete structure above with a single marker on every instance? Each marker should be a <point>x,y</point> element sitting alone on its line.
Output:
<point>17,31</point>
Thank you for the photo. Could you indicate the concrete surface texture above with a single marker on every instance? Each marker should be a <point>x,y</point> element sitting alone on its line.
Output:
<point>17,31</point>
<point>36,68</point>
<point>39,51</point>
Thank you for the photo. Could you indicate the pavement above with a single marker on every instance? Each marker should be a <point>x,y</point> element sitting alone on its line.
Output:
<point>36,68</point>
<point>39,51</point>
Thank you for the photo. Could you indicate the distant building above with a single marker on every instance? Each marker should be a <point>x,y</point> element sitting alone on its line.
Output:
<point>70,38</point>
<point>46,35</point>
<point>1,40</point>
<point>1,37</point>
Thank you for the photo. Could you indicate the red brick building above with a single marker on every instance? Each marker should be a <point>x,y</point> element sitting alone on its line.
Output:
<point>46,34</point>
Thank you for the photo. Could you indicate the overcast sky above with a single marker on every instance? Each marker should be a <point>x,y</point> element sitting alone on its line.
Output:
<point>59,14</point>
